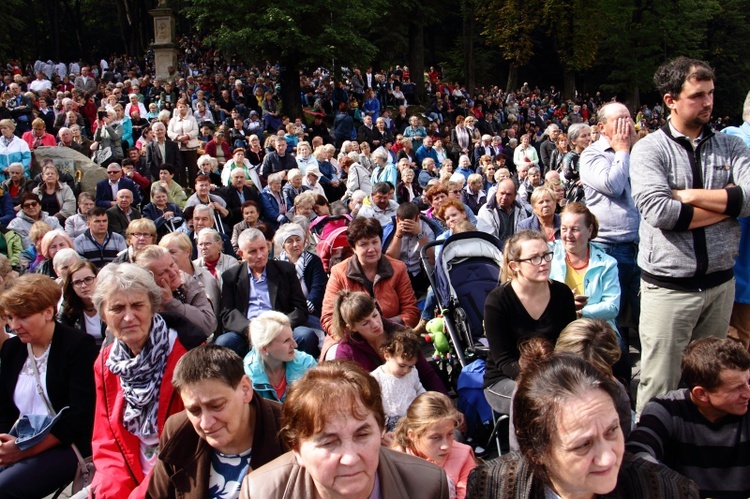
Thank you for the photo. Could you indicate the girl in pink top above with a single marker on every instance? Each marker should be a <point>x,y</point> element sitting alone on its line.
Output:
<point>427,432</point>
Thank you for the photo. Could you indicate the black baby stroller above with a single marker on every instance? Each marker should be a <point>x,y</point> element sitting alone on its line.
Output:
<point>467,267</point>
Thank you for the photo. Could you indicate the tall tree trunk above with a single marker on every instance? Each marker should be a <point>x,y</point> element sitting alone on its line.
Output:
<point>416,58</point>
<point>290,89</point>
<point>569,84</point>
<point>468,39</point>
<point>512,78</point>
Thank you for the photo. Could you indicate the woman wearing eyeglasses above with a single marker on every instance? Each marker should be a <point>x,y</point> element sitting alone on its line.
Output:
<point>526,305</point>
<point>77,308</point>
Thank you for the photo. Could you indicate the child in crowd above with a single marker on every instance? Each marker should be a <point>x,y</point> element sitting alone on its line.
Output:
<point>399,382</point>
<point>427,431</point>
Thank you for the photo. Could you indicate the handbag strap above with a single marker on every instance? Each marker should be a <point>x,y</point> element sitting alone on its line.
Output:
<point>52,411</point>
<point>39,388</point>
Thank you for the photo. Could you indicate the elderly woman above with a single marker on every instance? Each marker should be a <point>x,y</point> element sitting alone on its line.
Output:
<point>369,270</point>
<point>134,393</point>
<point>305,157</point>
<point>359,177</point>
<point>544,219</point>
<point>274,208</point>
<point>525,154</point>
<point>274,363</point>
<point>107,145</point>
<point>31,212</point>
<point>181,295</point>
<point>210,245</point>
<point>181,249</point>
<point>303,206</point>
<point>294,187</point>
<point>183,129</point>
<point>527,304</point>
<point>209,167</point>
<point>292,239</point>
<point>408,189</point>
<point>255,152</point>
<point>239,161</point>
<point>580,138</point>
<point>13,149</point>
<point>78,308</point>
<point>218,147</point>
<point>384,170</point>
<point>57,198</point>
<point>364,157</point>
<point>175,193</point>
<point>139,234</point>
<point>571,444</point>
<point>46,367</point>
<point>161,212</point>
<point>52,242</point>
<point>64,259</point>
<point>335,410</point>
<point>76,225</point>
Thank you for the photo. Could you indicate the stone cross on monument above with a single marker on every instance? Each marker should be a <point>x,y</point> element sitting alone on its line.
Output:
<point>165,48</point>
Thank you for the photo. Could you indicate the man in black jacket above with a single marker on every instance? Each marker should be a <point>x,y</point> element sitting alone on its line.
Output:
<point>162,150</point>
<point>260,285</point>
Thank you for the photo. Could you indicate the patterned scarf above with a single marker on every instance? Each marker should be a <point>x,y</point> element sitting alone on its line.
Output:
<point>141,378</point>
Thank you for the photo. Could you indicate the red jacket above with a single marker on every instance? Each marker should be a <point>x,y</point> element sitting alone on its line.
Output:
<point>47,139</point>
<point>116,451</point>
<point>211,150</point>
<point>392,290</point>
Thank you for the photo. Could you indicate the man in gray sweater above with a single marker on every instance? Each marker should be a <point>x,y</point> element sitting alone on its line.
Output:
<point>689,185</point>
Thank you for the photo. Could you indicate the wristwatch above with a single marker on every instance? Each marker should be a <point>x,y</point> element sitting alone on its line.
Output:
<point>419,236</point>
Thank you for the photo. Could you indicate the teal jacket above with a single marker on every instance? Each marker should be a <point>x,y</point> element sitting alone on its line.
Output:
<point>255,369</point>
<point>601,283</point>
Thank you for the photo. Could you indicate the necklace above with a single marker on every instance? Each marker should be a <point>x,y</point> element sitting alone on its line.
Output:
<point>586,263</point>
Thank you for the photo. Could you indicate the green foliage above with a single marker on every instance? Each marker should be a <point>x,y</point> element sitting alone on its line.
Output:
<point>313,33</point>
<point>575,36</point>
<point>509,25</point>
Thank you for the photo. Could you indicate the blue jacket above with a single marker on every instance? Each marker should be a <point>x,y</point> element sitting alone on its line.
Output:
<point>372,107</point>
<point>423,153</point>
<point>742,265</point>
<point>532,223</point>
<point>601,282</point>
<point>270,209</point>
<point>104,192</point>
<point>256,371</point>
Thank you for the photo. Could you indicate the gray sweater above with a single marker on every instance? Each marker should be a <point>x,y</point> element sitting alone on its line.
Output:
<point>670,254</point>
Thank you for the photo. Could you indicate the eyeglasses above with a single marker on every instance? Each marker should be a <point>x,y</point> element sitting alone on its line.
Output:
<point>456,192</point>
<point>88,280</point>
<point>537,259</point>
<point>112,172</point>
<point>142,235</point>
<point>30,204</point>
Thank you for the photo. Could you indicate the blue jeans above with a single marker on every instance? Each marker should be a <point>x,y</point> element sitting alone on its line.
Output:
<point>305,337</point>
<point>629,275</point>
<point>39,475</point>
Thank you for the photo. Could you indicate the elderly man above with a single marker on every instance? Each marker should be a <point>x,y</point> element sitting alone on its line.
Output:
<point>224,419</point>
<point>689,233</point>
<point>97,244</point>
<point>204,218</point>
<point>66,140</point>
<point>85,83</point>
<point>485,148</point>
<point>381,205</point>
<point>548,145</point>
<point>426,151</point>
<point>428,172</point>
<point>236,193</point>
<point>502,213</point>
<point>366,132</point>
<point>106,190</point>
<point>122,213</point>
<point>203,196</point>
<point>181,293</point>
<point>210,246</point>
<point>162,150</point>
<point>258,285</point>
<point>527,186</point>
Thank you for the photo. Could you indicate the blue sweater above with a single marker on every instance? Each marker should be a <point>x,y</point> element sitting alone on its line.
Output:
<point>256,371</point>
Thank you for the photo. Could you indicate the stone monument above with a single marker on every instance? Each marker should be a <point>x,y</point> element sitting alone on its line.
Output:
<point>165,48</point>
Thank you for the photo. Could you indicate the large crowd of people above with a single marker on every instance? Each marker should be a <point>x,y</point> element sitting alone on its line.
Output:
<point>237,310</point>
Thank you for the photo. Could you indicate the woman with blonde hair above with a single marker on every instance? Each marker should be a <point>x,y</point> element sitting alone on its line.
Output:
<point>274,362</point>
<point>427,431</point>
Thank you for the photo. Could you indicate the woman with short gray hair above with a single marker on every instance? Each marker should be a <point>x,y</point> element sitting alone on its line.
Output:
<point>134,393</point>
